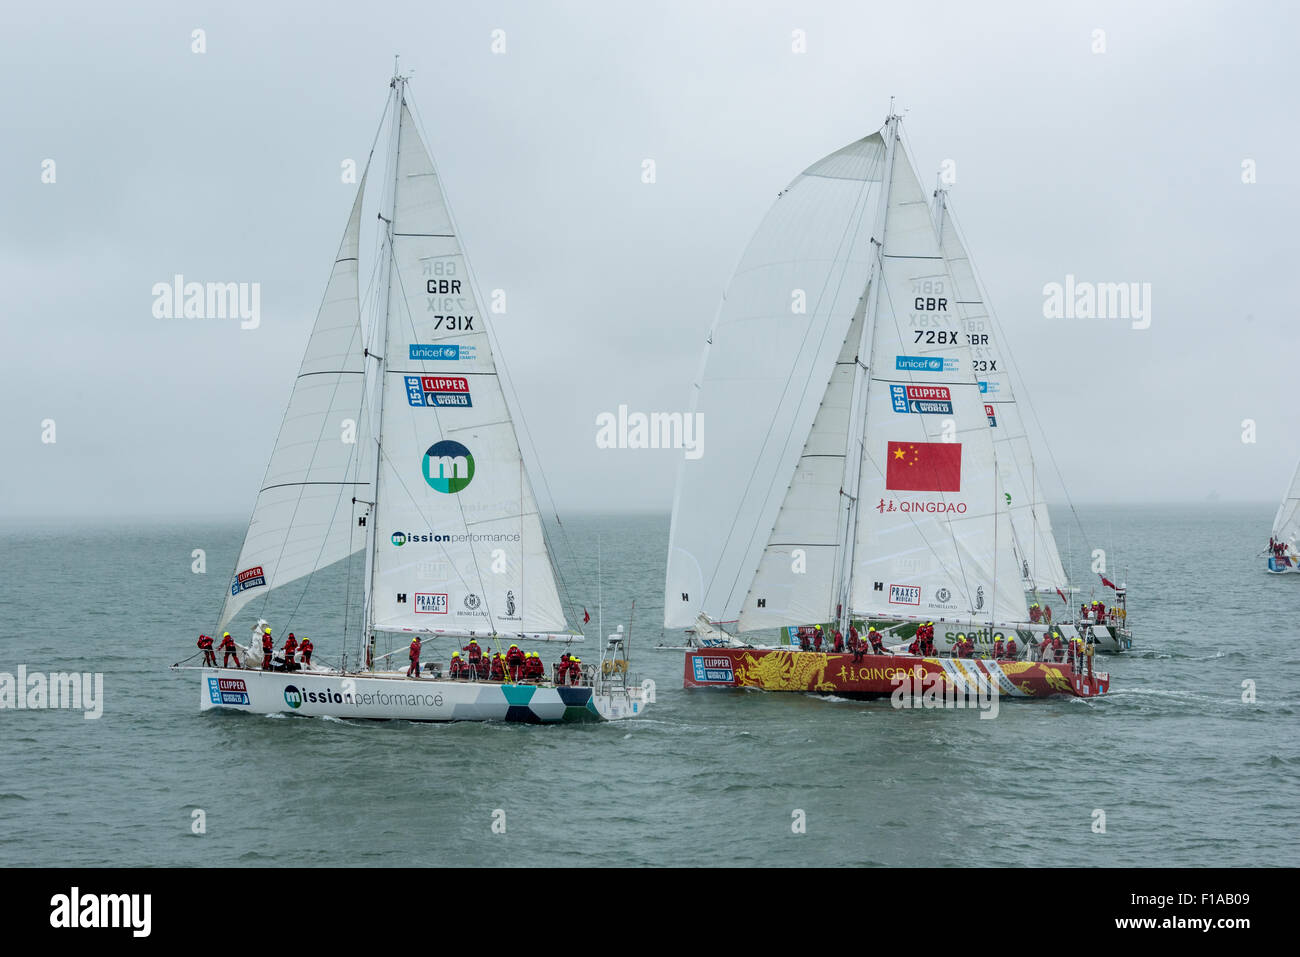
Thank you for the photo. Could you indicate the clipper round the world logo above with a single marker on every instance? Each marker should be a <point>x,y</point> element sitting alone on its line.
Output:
<point>448,466</point>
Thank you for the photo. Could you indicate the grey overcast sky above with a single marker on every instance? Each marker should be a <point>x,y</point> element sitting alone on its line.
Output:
<point>1117,166</point>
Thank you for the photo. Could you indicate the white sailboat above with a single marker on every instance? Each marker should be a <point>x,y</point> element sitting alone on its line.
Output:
<point>874,489</point>
<point>1283,555</point>
<point>434,489</point>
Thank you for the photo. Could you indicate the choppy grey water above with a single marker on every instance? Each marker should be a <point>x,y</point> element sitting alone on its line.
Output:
<point>1185,772</point>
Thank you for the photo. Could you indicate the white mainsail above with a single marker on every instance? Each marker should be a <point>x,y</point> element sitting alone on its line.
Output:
<point>1286,524</point>
<point>304,518</point>
<point>774,343</point>
<point>458,540</point>
<point>933,540</point>
<point>1039,560</point>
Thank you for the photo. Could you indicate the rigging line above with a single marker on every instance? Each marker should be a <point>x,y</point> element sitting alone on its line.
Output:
<point>1003,339</point>
<point>852,227</point>
<point>507,382</point>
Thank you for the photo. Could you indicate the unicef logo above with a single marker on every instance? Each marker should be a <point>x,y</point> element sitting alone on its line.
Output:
<point>292,697</point>
<point>448,467</point>
<point>399,539</point>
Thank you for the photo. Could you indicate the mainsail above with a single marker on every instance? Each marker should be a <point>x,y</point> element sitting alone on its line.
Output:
<point>1039,560</point>
<point>304,518</point>
<point>458,540</point>
<point>1286,524</point>
<point>776,339</point>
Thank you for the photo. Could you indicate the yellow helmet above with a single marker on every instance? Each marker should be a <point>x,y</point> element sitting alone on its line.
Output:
<point>455,654</point>
<point>225,634</point>
<point>267,629</point>
<point>576,658</point>
<point>514,646</point>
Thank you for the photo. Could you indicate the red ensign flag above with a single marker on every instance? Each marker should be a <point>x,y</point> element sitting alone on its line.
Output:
<point>923,467</point>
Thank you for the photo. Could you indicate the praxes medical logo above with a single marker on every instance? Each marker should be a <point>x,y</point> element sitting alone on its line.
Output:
<point>448,467</point>
<point>429,603</point>
<point>922,399</point>
<point>438,390</point>
<point>905,594</point>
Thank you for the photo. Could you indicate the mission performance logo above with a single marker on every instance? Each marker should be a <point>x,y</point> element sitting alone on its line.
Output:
<point>448,467</point>
<point>428,391</point>
<point>921,399</point>
<point>923,467</point>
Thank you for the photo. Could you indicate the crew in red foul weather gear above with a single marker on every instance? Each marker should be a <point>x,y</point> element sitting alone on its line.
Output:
<point>268,646</point>
<point>457,667</point>
<point>839,641</point>
<point>1011,651</point>
<point>498,667</point>
<point>878,644</point>
<point>305,646</point>
<point>515,662</point>
<point>290,649</point>
<point>228,649</point>
<point>1035,612</point>
<point>575,670</point>
<point>414,654</point>
<point>915,647</point>
<point>997,647</point>
<point>1047,614</point>
<point>209,656</point>
<point>817,638</point>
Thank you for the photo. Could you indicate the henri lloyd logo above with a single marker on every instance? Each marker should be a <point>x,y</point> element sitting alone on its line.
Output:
<point>452,352</point>
<point>448,467</point>
<point>923,399</point>
<point>905,594</point>
<point>248,578</point>
<point>428,603</point>
<point>228,691</point>
<point>924,364</point>
<point>102,910</point>
<point>435,390</point>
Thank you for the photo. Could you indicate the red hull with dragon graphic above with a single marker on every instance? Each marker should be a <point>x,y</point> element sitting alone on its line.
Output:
<point>879,676</point>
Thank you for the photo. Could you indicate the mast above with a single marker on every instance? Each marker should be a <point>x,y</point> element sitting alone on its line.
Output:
<point>861,379</point>
<point>398,86</point>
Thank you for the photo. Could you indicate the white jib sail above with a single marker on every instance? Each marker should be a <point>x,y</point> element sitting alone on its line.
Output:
<point>772,348</point>
<point>1040,562</point>
<point>1286,524</point>
<point>304,518</point>
<point>459,544</point>
<point>933,538</point>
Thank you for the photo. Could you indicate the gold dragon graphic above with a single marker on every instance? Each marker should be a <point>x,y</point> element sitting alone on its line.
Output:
<point>784,671</point>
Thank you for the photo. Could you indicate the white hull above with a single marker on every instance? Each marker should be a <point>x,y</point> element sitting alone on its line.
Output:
<point>392,696</point>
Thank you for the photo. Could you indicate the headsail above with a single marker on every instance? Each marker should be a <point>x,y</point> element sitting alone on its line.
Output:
<point>1286,524</point>
<point>459,544</point>
<point>304,518</point>
<point>774,343</point>
<point>1038,559</point>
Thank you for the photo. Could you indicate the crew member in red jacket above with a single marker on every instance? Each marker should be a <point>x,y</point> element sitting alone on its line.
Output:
<point>414,654</point>
<point>498,667</point>
<point>515,662</point>
<point>878,644</point>
<point>290,649</point>
<point>457,666</point>
<point>1011,651</point>
<point>839,641</point>
<point>209,656</point>
<point>997,646</point>
<point>305,646</point>
<point>229,650</point>
<point>575,670</point>
<point>268,646</point>
<point>475,659</point>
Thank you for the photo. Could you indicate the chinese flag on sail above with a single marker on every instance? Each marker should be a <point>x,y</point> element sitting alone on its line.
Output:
<point>1063,598</point>
<point>923,467</point>
<point>1108,583</point>
<point>585,617</point>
